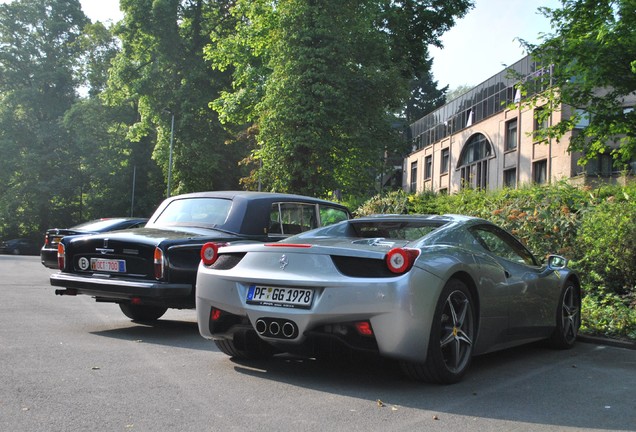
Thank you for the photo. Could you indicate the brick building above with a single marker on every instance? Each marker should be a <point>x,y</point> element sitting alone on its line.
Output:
<point>477,141</point>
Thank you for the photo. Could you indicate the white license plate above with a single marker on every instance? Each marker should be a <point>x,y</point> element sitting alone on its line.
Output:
<point>106,265</point>
<point>279,296</point>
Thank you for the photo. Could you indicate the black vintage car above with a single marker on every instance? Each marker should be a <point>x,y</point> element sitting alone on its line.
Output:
<point>48,253</point>
<point>148,270</point>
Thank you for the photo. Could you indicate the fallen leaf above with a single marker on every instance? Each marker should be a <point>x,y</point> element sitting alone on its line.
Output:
<point>435,417</point>
<point>380,403</point>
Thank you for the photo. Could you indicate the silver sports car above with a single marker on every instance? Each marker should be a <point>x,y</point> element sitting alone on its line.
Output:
<point>429,291</point>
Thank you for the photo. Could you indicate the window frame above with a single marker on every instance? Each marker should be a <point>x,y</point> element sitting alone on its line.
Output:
<point>428,167</point>
<point>511,140</point>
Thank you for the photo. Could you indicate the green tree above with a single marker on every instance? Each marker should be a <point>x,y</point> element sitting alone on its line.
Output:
<point>592,51</point>
<point>38,60</point>
<point>161,69</point>
<point>317,80</point>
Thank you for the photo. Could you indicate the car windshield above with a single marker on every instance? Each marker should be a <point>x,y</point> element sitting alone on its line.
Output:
<point>195,212</point>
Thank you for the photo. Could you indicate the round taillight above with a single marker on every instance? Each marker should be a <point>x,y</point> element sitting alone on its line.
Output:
<point>400,260</point>
<point>209,253</point>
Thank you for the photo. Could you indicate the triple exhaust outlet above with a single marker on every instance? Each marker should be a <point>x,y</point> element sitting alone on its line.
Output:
<point>276,328</point>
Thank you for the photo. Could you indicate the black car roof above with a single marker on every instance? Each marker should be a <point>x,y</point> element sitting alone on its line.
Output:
<point>250,210</point>
<point>253,195</point>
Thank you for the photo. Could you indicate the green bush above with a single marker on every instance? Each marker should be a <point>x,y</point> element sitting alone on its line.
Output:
<point>607,242</point>
<point>607,314</point>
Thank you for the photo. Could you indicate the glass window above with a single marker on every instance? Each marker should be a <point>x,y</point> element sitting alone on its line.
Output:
<point>510,178</point>
<point>511,134</point>
<point>602,165</point>
<point>445,160</point>
<point>428,167</point>
<point>331,215</point>
<point>584,119</point>
<point>473,162</point>
<point>292,218</point>
<point>500,243</point>
<point>195,212</point>
<point>540,171</point>
<point>540,120</point>
<point>414,176</point>
<point>401,230</point>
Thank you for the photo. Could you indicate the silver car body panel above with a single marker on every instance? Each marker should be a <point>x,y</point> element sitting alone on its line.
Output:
<point>517,302</point>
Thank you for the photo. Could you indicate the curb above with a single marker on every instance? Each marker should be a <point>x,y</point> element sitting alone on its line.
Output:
<point>606,341</point>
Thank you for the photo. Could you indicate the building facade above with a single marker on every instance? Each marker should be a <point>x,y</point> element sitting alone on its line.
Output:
<point>484,139</point>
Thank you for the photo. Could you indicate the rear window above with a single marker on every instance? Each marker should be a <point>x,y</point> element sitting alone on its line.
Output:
<point>398,230</point>
<point>195,212</point>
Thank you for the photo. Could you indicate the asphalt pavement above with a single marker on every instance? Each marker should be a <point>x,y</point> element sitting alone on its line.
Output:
<point>71,364</point>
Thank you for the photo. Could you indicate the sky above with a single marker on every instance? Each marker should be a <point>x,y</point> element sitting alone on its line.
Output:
<point>479,46</point>
<point>483,43</point>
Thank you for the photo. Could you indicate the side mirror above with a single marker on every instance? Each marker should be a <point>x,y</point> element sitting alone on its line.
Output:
<point>556,262</point>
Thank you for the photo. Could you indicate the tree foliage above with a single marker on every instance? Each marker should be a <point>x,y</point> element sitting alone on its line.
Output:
<point>66,158</point>
<point>308,92</point>
<point>593,53</point>
<point>317,81</point>
<point>38,60</point>
<point>161,67</point>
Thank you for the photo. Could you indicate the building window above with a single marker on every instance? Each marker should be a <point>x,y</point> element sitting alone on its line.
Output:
<point>428,167</point>
<point>510,178</point>
<point>540,122</point>
<point>583,120</point>
<point>602,165</point>
<point>511,134</point>
<point>473,162</point>
<point>445,161</point>
<point>540,171</point>
<point>414,176</point>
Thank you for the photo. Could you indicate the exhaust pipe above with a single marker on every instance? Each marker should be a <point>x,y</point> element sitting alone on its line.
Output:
<point>274,328</point>
<point>288,329</point>
<point>261,326</point>
<point>68,291</point>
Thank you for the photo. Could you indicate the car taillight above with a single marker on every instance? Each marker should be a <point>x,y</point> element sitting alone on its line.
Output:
<point>209,253</point>
<point>364,328</point>
<point>215,314</point>
<point>400,260</point>
<point>159,263</point>
<point>46,240</point>
<point>61,256</point>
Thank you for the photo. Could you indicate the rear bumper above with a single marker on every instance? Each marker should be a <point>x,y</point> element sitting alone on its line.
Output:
<point>123,289</point>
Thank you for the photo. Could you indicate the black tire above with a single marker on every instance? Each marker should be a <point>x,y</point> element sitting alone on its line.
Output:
<point>142,312</point>
<point>253,348</point>
<point>450,346</point>
<point>568,318</point>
